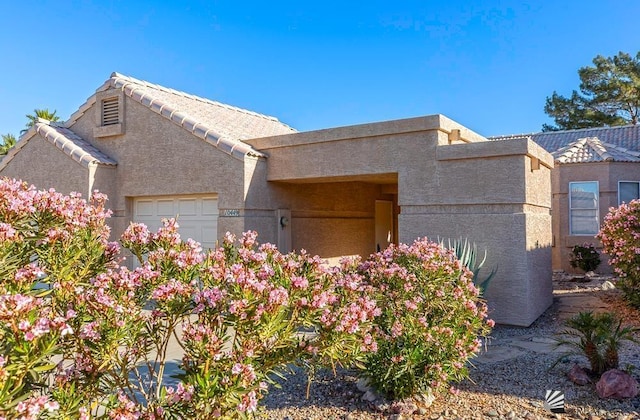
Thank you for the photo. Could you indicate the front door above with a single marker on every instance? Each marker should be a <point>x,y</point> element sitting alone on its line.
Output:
<point>384,224</point>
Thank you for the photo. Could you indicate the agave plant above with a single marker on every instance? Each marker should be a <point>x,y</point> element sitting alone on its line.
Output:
<point>467,253</point>
<point>598,337</point>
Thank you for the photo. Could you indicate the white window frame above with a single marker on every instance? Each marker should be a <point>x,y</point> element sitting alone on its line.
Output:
<point>597,210</point>
<point>620,182</point>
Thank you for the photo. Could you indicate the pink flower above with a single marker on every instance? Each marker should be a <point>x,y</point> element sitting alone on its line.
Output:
<point>249,239</point>
<point>410,305</point>
<point>278,296</point>
<point>299,282</point>
<point>180,393</point>
<point>90,332</point>
<point>136,233</point>
<point>7,232</point>
<point>246,371</point>
<point>396,329</point>
<point>249,403</point>
<point>171,290</point>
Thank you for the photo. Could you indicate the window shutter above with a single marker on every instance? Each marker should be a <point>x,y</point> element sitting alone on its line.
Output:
<point>110,111</point>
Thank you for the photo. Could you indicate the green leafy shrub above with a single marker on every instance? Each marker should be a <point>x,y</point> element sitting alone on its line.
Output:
<point>598,337</point>
<point>585,257</point>
<point>467,253</point>
<point>620,237</point>
<point>431,320</point>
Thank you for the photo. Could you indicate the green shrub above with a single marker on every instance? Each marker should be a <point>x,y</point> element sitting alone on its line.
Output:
<point>432,317</point>
<point>620,237</point>
<point>585,257</point>
<point>598,337</point>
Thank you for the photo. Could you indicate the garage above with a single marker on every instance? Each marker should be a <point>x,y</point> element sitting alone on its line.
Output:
<point>197,215</point>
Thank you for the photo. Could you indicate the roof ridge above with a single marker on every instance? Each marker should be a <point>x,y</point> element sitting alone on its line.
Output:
<point>511,136</point>
<point>597,146</point>
<point>233,147</point>
<point>154,97</point>
<point>621,149</point>
<point>538,133</point>
<point>613,127</point>
<point>82,149</point>
<point>590,149</point>
<point>115,76</point>
<point>561,154</point>
<point>65,140</point>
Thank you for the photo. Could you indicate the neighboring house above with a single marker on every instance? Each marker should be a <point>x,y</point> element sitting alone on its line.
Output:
<point>341,191</point>
<point>595,169</point>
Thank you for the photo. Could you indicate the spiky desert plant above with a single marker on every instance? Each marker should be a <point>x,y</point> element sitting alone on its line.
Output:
<point>467,253</point>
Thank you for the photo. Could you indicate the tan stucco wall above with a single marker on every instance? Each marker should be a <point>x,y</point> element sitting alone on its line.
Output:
<point>157,157</point>
<point>443,179</point>
<point>497,211</point>
<point>44,165</point>
<point>477,190</point>
<point>607,174</point>
<point>330,219</point>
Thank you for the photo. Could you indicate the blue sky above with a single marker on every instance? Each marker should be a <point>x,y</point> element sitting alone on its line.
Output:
<point>488,65</point>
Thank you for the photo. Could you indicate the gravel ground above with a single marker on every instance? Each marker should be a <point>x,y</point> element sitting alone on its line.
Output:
<point>510,389</point>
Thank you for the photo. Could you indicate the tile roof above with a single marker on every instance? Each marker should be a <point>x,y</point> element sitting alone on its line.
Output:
<point>64,139</point>
<point>592,149</point>
<point>222,125</point>
<point>626,136</point>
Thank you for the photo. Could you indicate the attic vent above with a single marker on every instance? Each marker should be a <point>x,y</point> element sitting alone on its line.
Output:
<point>109,114</point>
<point>110,111</point>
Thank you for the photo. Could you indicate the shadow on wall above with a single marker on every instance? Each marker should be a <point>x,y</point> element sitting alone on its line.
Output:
<point>520,293</point>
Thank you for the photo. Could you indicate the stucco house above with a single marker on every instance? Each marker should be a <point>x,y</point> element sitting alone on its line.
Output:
<point>595,169</point>
<point>158,153</point>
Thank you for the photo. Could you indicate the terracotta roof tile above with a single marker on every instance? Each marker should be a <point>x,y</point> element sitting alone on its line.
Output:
<point>65,140</point>
<point>592,149</point>
<point>203,117</point>
<point>626,136</point>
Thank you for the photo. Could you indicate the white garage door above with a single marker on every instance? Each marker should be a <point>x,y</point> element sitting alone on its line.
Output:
<point>197,215</point>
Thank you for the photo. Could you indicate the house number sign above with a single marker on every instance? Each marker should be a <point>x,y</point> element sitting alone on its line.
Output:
<point>231,213</point>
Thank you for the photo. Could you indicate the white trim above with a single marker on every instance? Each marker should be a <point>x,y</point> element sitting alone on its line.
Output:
<point>597,208</point>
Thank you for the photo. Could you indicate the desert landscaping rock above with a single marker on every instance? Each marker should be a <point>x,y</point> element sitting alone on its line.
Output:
<point>578,376</point>
<point>363,385</point>
<point>617,384</point>
<point>369,396</point>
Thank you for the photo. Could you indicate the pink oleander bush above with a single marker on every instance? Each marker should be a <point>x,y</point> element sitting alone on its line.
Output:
<point>430,323</point>
<point>82,336</point>
<point>241,310</point>
<point>620,237</point>
<point>51,247</point>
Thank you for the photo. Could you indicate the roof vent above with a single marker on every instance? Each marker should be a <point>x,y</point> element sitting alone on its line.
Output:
<point>110,111</point>
<point>109,114</point>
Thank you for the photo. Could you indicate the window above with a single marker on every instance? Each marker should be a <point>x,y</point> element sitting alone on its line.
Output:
<point>627,191</point>
<point>583,208</point>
